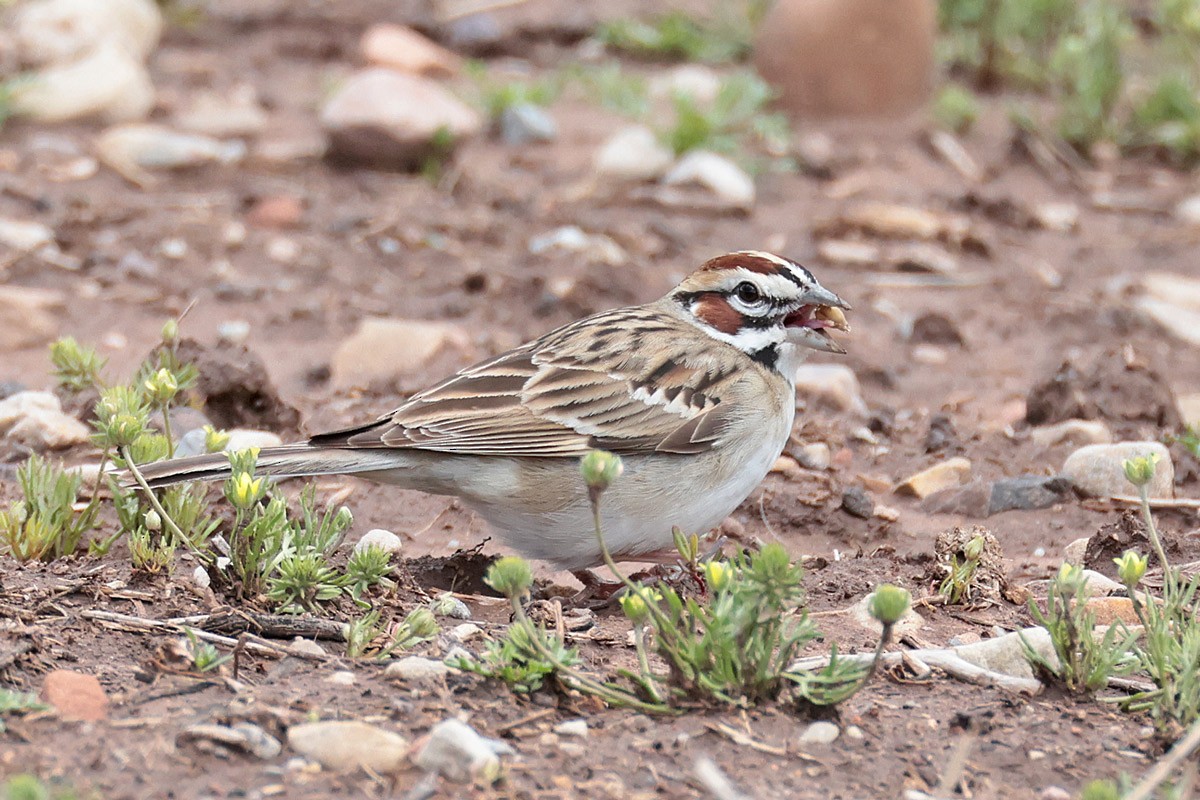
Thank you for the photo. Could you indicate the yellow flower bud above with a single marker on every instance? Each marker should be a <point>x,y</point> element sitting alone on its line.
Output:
<point>1140,471</point>
<point>889,603</point>
<point>1131,567</point>
<point>600,468</point>
<point>718,574</point>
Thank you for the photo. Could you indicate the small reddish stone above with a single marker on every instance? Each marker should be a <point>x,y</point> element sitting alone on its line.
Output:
<point>277,211</point>
<point>75,696</point>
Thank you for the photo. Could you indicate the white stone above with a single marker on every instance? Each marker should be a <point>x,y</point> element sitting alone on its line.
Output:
<point>386,541</point>
<point>342,677</point>
<point>465,632</point>
<point>1061,217</point>
<point>832,385</point>
<point>36,420</point>
<point>820,732</point>
<point>414,669</point>
<point>200,578</point>
<point>455,751</point>
<point>401,48</point>
<point>218,115</point>
<point>234,331</point>
<point>24,235</point>
<point>596,247</point>
<point>1189,408</point>
<point>305,647</point>
<point>108,82</point>
<point>135,150</point>
<point>392,118</point>
<point>1098,469</point>
<point>1100,585</point>
<point>1075,551</point>
<point>60,31</point>
<point>1188,210</point>
<point>447,605</point>
<point>815,456</point>
<point>696,81</point>
<point>1173,301</point>
<point>1005,654</point>
<point>572,727</point>
<point>1072,431</point>
<point>386,349</point>
<point>245,438</point>
<point>345,746</point>
<point>716,173</point>
<point>633,154</point>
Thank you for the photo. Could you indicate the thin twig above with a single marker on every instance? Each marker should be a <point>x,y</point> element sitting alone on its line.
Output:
<point>252,645</point>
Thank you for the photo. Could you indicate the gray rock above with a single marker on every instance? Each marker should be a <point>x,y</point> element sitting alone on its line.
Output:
<point>455,751</point>
<point>1072,431</point>
<point>393,119</point>
<point>414,669</point>
<point>344,746</point>
<point>860,614</point>
<point>378,537</point>
<point>475,33</point>
<point>36,420</point>
<point>595,247</point>
<point>1075,552</point>
<point>523,123</point>
<point>1005,654</point>
<point>1098,469</point>
<point>1027,492</point>
<point>213,114</point>
<point>857,503</point>
<point>243,736</point>
<point>633,154</point>
<point>717,174</point>
<point>972,500</point>
<point>447,605</point>
<point>306,647</point>
<point>820,732</point>
<point>834,386</point>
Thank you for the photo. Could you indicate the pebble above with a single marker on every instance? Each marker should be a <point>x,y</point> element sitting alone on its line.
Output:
<point>415,669</point>
<point>108,82</point>
<point>860,613</point>
<point>820,732</point>
<point>383,350</point>
<point>857,503</point>
<point>342,677</point>
<point>401,48</point>
<point>305,647</point>
<point>243,736</point>
<point>393,119</point>
<point>1173,301</point>
<point>596,247</point>
<point>283,250</point>
<point>455,751</point>
<point>1027,492</point>
<point>1054,793</point>
<point>24,235</point>
<point>1188,210</point>
<point>633,154</point>
<point>855,733</point>
<point>386,541</point>
<point>75,695</point>
<point>213,114</point>
<point>967,637</point>
<point>525,123</point>
<point>60,31</point>
<point>476,33</point>
<point>234,331</point>
<point>173,248</point>
<point>1071,431</point>
<point>572,727</point>
<point>465,632</point>
<point>849,253</point>
<point>1098,469</point>
<point>716,173</point>
<point>1108,610</point>
<point>244,438</point>
<point>28,317</point>
<point>1099,584</point>
<point>1075,552</point>
<point>201,578</point>
<point>36,420</point>
<point>276,211</point>
<point>834,386</point>
<point>815,456</point>
<point>447,605</point>
<point>1060,217</point>
<point>944,475</point>
<point>344,746</point>
<point>134,150</point>
<point>1189,408</point>
<point>697,81</point>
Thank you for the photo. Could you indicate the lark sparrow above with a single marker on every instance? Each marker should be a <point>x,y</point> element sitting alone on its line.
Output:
<point>695,391</point>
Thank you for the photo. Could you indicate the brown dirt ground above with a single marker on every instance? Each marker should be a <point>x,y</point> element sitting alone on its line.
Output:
<point>464,258</point>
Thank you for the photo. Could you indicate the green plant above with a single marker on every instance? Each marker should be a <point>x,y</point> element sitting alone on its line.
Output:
<point>726,36</point>
<point>205,657</point>
<point>45,525</point>
<point>1087,64</point>
<point>365,637</point>
<point>997,41</point>
<point>1101,790</point>
<point>1083,663</point>
<point>960,580</point>
<point>614,88</point>
<point>494,97</point>
<point>736,114</point>
<point>366,568</point>
<point>76,367</point>
<point>14,702</point>
<point>301,580</point>
<point>956,108</point>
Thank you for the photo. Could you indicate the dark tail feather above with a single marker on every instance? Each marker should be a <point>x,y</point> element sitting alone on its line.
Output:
<point>289,461</point>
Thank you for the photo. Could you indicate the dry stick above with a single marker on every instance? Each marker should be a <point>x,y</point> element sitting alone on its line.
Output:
<point>151,625</point>
<point>946,660</point>
<point>1166,765</point>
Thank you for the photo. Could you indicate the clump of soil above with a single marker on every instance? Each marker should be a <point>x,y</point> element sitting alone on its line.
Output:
<point>235,389</point>
<point>990,581</point>
<point>1127,532</point>
<point>1119,388</point>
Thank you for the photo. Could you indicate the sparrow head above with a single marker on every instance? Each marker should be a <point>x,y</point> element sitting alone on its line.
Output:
<point>759,302</point>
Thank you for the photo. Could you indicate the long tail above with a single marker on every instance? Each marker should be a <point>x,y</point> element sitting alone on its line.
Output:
<point>288,461</point>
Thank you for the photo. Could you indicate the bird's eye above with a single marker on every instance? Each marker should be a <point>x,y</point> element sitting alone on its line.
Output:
<point>748,293</point>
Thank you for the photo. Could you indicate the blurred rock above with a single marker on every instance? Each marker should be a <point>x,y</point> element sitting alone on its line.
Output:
<point>572,727</point>
<point>243,736</point>
<point>233,331</point>
<point>934,328</point>
<point>714,172</point>
<point>415,669</point>
<point>857,503</point>
<point>820,732</point>
<point>1072,431</point>
<point>59,31</point>
<point>1189,408</point>
<point>1075,551</point>
<point>831,385</point>
<point>523,123</point>
<point>633,154</point>
<point>697,81</point>
<point>1173,301</point>
<point>1109,610</point>
<point>455,751</point>
<point>849,252</point>
<point>383,350</point>
<point>1188,210</point>
<point>1098,469</point>
<point>595,247</point>
<point>475,34</point>
<point>860,614</point>
<point>276,211</point>
<point>814,456</point>
<point>401,48</point>
<point>344,746</point>
<point>1027,493</point>
<point>108,83</point>
<point>391,119</point>
<point>24,235</point>
<point>386,541</point>
<point>1061,217</point>
<point>213,114</point>
<point>133,150</point>
<point>848,57</point>
<point>28,317</point>
<point>75,696</point>
<point>952,472</point>
<point>36,420</point>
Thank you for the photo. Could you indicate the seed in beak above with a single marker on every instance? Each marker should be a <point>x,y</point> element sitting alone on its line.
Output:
<point>833,316</point>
